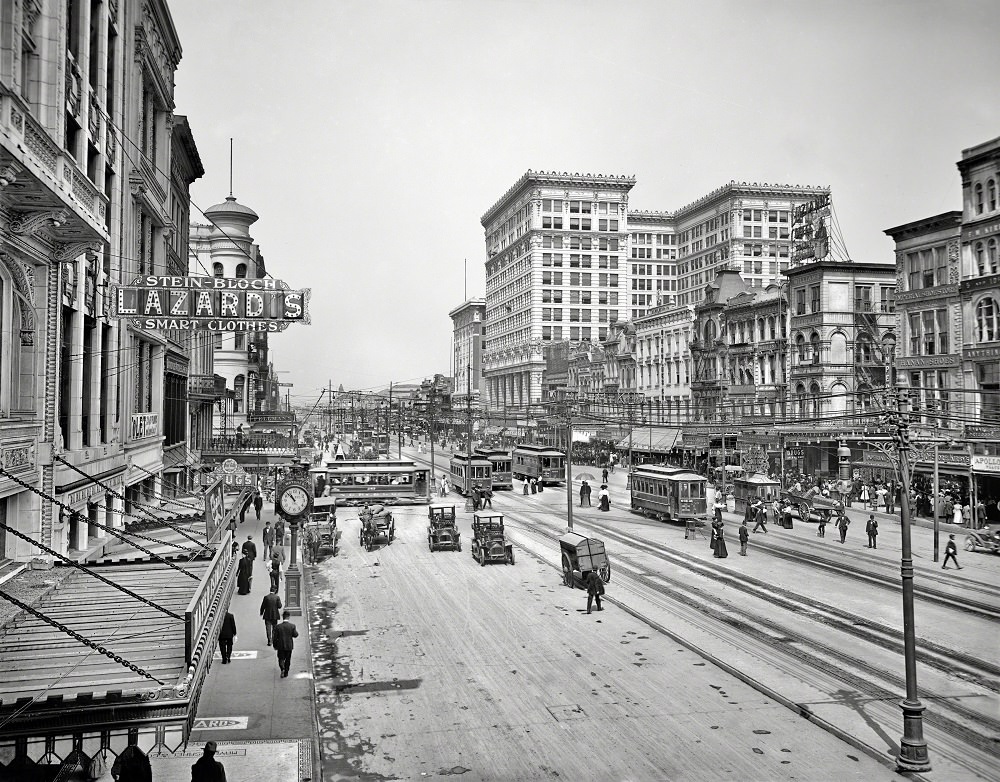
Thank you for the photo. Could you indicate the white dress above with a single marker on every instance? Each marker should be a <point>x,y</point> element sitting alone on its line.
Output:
<point>957,515</point>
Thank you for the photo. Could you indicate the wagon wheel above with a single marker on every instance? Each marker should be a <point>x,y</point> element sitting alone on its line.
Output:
<point>605,572</point>
<point>804,512</point>
<point>970,543</point>
<point>361,536</point>
<point>567,568</point>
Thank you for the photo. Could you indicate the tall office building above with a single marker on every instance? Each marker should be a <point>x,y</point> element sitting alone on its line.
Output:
<point>556,249</point>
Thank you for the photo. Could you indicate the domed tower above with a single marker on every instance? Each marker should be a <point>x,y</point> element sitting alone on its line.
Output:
<point>226,249</point>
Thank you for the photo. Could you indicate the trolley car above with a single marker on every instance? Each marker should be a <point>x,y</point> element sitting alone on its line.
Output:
<point>546,464</point>
<point>470,471</point>
<point>501,462</point>
<point>669,494</point>
<point>360,482</point>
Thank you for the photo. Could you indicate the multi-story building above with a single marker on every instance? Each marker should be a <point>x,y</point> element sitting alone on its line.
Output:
<point>652,261</point>
<point>468,329</point>
<point>555,270</point>
<point>979,292</point>
<point>839,317</point>
<point>663,360</point>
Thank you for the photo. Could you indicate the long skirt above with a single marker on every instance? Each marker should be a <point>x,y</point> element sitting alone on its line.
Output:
<point>720,548</point>
<point>605,503</point>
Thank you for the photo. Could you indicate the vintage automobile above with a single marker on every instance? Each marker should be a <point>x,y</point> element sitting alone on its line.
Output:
<point>442,531</point>
<point>376,522</point>
<point>581,555</point>
<point>488,541</point>
<point>984,538</point>
<point>320,533</point>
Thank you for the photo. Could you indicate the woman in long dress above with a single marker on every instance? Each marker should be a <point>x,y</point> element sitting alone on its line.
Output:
<point>957,513</point>
<point>244,575</point>
<point>720,543</point>
<point>604,498</point>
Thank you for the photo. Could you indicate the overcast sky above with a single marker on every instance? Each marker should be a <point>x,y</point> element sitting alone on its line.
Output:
<point>371,136</point>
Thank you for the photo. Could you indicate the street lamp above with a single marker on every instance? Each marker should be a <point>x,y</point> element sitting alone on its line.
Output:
<point>912,746</point>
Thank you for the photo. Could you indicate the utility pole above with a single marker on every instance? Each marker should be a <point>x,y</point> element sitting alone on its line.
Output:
<point>430,410</point>
<point>722,418</point>
<point>569,466</point>
<point>468,409</point>
<point>329,410</point>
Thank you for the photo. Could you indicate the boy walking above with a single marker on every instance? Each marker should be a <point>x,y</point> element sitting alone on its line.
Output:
<point>744,538</point>
<point>872,529</point>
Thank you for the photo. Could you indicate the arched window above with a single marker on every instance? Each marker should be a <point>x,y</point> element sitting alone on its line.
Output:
<point>991,194</point>
<point>800,344</point>
<point>980,252</point>
<point>979,198</point>
<point>862,349</point>
<point>987,320</point>
<point>710,333</point>
<point>838,398</point>
<point>814,342</point>
<point>238,388</point>
<point>772,333</point>
<point>800,400</point>
<point>761,330</point>
<point>241,270</point>
<point>838,348</point>
<point>217,270</point>
<point>814,399</point>
<point>991,257</point>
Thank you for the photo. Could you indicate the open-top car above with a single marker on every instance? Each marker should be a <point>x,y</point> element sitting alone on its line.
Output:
<point>985,538</point>
<point>488,541</point>
<point>442,531</point>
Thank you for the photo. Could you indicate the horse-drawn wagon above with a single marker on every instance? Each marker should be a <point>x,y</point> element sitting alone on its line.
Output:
<point>811,506</point>
<point>376,522</point>
<point>320,533</point>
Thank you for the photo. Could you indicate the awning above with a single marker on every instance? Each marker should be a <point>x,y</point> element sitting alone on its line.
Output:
<point>655,441</point>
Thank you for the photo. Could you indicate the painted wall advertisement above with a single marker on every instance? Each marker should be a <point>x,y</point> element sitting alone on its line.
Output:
<point>210,303</point>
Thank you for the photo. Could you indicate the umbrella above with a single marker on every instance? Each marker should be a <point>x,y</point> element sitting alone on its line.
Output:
<point>585,476</point>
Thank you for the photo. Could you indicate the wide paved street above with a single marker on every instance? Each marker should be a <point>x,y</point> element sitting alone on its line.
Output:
<point>428,664</point>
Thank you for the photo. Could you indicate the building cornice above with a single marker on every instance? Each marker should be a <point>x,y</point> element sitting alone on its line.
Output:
<point>943,221</point>
<point>558,179</point>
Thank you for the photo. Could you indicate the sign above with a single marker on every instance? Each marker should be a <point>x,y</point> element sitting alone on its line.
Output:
<point>231,474</point>
<point>982,432</point>
<point>209,303</point>
<point>82,495</point>
<point>270,417</point>
<point>144,425</point>
<point>927,362</point>
<point>221,723</point>
<point>980,283</point>
<point>976,353</point>
<point>215,508</point>
<point>630,398</point>
<point>927,293</point>
<point>811,230</point>
<point>795,453</point>
<point>989,464</point>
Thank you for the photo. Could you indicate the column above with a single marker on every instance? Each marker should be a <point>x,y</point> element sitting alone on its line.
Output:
<point>97,369</point>
<point>74,437</point>
<point>118,508</point>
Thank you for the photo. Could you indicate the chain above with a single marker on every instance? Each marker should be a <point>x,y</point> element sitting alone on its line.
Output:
<point>122,497</point>
<point>88,571</point>
<point>112,530</point>
<point>73,634</point>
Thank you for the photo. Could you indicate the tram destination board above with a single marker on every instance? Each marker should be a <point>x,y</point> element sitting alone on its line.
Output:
<point>210,303</point>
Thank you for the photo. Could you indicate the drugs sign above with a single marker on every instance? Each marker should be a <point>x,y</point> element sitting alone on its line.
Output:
<point>210,303</point>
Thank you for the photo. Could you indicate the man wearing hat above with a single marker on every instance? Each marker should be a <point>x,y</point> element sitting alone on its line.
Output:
<point>207,768</point>
<point>283,643</point>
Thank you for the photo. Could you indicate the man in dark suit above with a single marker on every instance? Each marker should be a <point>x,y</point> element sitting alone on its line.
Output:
<point>283,643</point>
<point>270,611</point>
<point>207,768</point>
<point>249,549</point>
<point>227,634</point>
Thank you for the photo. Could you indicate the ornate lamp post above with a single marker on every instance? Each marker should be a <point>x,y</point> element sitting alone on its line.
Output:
<point>912,746</point>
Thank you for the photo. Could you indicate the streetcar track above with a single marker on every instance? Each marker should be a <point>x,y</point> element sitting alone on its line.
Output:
<point>795,646</point>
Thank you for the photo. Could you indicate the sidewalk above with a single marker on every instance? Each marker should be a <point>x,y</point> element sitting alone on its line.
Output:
<point>264,725</point>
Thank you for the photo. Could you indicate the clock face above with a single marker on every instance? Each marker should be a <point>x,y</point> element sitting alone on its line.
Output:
<point>294,500</point>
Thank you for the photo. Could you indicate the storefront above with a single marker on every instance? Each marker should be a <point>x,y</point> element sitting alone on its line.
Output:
<point>986,484</point>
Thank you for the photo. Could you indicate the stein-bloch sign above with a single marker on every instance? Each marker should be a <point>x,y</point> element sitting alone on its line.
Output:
<point>211,303</point>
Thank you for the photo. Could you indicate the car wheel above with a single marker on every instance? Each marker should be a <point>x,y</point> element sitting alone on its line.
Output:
<point>482,558</point>
<point>510,556</point>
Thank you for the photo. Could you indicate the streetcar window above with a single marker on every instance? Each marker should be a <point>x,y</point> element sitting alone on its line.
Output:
<point>685,490</point>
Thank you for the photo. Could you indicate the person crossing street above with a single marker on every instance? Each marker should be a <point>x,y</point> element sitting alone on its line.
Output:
<point>872,529</point>
<point>951,552</point>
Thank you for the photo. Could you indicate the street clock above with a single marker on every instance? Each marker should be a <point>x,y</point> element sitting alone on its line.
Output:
<point>293,497</point>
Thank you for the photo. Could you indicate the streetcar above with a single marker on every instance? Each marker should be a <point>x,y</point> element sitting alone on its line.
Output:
<point>369,481</point>
<point>468,472</point>
<point>543,462</point>
<point>501,463</point>
<point>669,493</point>
<point>381,444</point>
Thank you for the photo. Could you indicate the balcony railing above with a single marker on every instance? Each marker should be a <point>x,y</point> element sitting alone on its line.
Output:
<point>253,444</point>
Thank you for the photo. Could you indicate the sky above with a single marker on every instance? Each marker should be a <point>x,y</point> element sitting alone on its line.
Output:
<point>371,135</point>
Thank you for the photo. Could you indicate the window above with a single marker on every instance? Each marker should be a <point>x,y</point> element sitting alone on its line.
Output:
<point>241,270</point>
<point>863,298</point>
<point>987,315</point>
<point>814,298</point>
<point>863,351</point>
<point>991,194</point>
<point>927,268</point>
<point>217,269</point>
<point>986,257</point>
<point>979,198</point>
<point>800,301</point>
<point>989,392</point>
<point>887,298</point>
<point>814,344</point>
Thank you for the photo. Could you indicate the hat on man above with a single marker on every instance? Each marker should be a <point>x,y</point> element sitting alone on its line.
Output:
<point>210,747</point>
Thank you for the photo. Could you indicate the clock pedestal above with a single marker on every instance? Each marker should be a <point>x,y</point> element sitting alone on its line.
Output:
<point>293,576</point>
